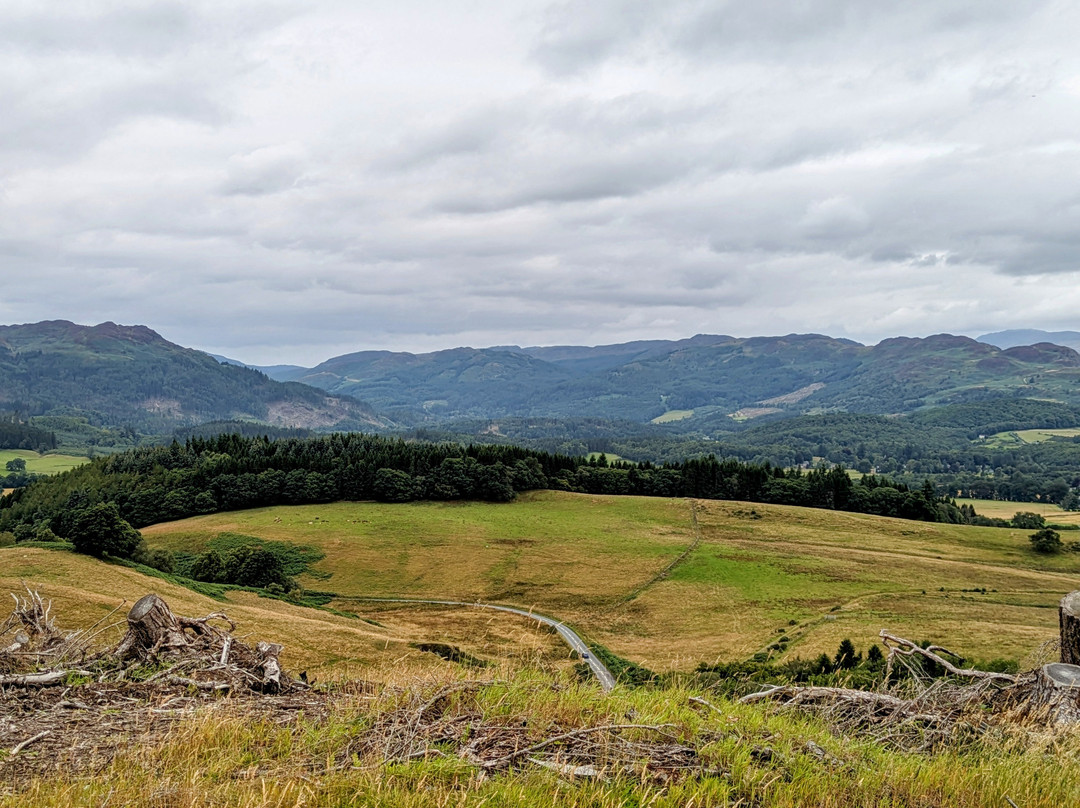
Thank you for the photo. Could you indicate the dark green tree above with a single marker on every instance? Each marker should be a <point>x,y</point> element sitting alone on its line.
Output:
<point>16,465</point>
<point>100,530</point>
<point>846,658</point>
<point>1026,520</point>
<point>1046,540</point>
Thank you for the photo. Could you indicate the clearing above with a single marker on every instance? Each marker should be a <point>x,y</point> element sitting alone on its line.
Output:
<point>1001,509</point>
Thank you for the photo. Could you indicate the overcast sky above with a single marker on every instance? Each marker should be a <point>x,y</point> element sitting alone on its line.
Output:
<point>286,181</point>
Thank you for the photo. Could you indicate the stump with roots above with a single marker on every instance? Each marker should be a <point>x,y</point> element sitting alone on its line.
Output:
<point>152,628</point>
<point>155,633</point>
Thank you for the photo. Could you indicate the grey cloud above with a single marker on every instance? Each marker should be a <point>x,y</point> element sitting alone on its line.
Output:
<point>387,175</point>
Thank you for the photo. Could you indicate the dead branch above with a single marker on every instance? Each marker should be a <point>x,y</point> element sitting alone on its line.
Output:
<point>40,679</point>
<point>519,753</point>
<point>21,746</point>
<point>900,646</point>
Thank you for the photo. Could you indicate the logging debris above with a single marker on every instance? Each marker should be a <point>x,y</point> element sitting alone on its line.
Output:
<point>924,713</point>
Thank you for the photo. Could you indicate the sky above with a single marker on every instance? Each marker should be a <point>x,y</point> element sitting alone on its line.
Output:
<point>288,180</point>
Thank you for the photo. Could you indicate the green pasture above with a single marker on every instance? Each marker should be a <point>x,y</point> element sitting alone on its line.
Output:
<point>744,571</point>
<point>41,463</point>
<point>1003,440</point>
<point>673,415</point>
<point>1002,509</point>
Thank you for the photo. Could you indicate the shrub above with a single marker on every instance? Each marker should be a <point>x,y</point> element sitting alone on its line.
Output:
<point>1046,540</point>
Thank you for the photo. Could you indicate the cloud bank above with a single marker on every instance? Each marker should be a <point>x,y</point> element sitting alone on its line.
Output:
<point>285,181</point>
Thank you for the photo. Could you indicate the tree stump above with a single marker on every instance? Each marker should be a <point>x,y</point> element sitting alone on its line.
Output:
<point>271,668</point>
<point>1055,693</point>
<point>1069,622</point>
<point>151,627</point>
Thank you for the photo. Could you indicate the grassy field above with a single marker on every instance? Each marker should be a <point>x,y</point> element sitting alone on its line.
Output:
<point>1006,510</point>
<point>673,415</point>
<point>744,572</point>
<point>1003,440</point>
<point>84,590</point>
<point>42,463</point>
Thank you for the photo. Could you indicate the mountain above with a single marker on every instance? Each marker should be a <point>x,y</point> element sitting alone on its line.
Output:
<point>712,381</point>
<point>1031,336</point>
<point>130,375</point>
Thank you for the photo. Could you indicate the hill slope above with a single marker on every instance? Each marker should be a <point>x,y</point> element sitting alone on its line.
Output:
<point>670,583</point>
<point>130,375</point>
<point>702,376</point>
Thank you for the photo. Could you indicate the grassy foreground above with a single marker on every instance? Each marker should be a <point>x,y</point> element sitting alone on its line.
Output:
<point>674,583</point>
<point>742,756</point>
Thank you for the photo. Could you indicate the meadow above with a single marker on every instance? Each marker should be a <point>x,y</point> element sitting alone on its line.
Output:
<point>329,646</point>
<point>1020,437</point>
<point>666,583</point>
<point>42,463</point>
<point>672,583</point>
<point>999,509</point>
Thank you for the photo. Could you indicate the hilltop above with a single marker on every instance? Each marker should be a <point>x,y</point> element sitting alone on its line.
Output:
<point>113,375</point>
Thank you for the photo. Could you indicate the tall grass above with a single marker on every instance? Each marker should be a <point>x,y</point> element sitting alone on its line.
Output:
<point>750,756</point>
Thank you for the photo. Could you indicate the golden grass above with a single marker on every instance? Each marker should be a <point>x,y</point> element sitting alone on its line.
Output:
<point>224,758</point>
<point>1000,509</point>
<point>819,575</point>
<point>84,590</point>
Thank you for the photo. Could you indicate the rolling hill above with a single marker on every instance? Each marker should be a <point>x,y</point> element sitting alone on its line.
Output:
<point>130,375</point>
<point>700,377</point>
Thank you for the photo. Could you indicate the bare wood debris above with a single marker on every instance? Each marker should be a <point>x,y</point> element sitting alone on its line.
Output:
<point>925,712</point>
<point>202,649</point>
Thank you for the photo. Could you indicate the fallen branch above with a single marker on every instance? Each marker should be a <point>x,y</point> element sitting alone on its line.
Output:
<point>21,746</point>
<point>577,733</point>
<point>39,679</point>
<point>903,647</point>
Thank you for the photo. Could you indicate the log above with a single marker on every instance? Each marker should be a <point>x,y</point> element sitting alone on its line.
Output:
<point>39,679</point>
<point>151,627</point>
<point>1069,627</point>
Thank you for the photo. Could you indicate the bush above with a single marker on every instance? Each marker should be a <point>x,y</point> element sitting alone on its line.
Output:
<point>1026,520</point>
<point>1046,540</point>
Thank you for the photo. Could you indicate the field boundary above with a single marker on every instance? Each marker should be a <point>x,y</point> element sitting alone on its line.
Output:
<point>666,571</point>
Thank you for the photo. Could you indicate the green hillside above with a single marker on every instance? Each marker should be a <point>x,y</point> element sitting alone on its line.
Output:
<point>130,376</point>
<point>671,583</point>
<point>714,376</point>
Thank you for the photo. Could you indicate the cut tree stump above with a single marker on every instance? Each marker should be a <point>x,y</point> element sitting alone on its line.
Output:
<point>1069,622</point>
<point>1055,693</point>
<point>271,668</point>
<point>151,627</point>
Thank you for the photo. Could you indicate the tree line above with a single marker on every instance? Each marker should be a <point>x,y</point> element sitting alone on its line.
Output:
<point>228,472</point>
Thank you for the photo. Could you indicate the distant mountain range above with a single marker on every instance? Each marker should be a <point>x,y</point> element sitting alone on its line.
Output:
<point>130,375</point>
<point>707,384</point>
<point>714,380</point>
<point>1031,336</point>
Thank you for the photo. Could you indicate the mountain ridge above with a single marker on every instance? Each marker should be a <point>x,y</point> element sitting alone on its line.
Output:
<point>132,375</point>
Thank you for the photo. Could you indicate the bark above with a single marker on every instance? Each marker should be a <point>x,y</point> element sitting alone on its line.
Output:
<point>151,628</point>
<point>271,668</point>
<point>1069,623</point>
<point>1055,693</point>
